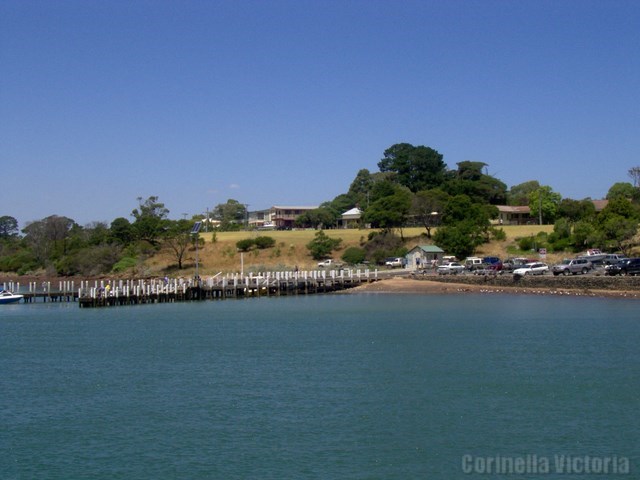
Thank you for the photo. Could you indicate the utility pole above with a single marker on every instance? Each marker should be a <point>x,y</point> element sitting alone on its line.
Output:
<point>540,205</point>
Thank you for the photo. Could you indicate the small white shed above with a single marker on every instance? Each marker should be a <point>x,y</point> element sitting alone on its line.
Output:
<point>423,256</point>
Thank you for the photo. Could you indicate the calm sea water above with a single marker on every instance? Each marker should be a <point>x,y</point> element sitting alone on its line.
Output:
<point>327,387</point>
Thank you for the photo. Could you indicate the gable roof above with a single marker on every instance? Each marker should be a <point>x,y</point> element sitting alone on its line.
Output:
<point>513,208</point>
<point>353,211</point>
<point>428,248</point>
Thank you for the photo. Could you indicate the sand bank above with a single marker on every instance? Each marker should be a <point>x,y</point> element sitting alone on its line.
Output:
<point>425,286</point>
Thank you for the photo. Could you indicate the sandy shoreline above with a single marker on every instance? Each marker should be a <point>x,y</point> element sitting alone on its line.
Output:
<point>426,287</point>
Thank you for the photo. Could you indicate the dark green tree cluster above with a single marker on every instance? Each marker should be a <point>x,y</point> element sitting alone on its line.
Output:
<point>414,187</point>
<point>613,229</point>
<point>58,245</point>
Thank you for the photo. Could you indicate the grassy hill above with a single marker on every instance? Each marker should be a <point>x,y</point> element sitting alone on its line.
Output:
<point>290,250</point>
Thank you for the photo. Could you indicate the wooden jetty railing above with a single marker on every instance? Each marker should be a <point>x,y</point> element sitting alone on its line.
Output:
<point>102,293</point>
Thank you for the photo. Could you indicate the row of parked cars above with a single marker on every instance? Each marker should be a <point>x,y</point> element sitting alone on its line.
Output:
<point>613,264</point>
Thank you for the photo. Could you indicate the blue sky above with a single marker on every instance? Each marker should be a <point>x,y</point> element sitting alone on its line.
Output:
<point>282,102</point>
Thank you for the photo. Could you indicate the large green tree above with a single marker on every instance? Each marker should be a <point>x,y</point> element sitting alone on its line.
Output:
<point>390,211</point>
<point>8,227</point>
<point>322,217</point>
<point>466,225</point>
<point>231,214</point>
<point>618,224</point>
<point>417,168</point>
<point>480,187</point>
<point>575,210</point>
<point>621,189</point>
<point>48,238</point>
<point>519,194</point>
<point>150,220</point>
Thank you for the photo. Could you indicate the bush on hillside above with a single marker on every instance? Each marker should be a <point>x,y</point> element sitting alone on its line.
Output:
<point>245,245</point>
<point>354,255</point>
<point>322,245</point>
<point>264,242</point>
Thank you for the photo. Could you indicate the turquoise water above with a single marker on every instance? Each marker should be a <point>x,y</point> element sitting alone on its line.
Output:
<point>318,387</point>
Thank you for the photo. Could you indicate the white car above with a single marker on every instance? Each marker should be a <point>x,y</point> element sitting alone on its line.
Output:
<point>534,268</point>
<point>451,268</point>
<point>395,262</point>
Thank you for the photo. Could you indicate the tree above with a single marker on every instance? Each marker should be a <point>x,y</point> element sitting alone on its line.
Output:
<point>178,237</point>
<point>390,211</point>
<point>417,168</point>
<point>322,245</point>
<point>361,187</point>
<point>583,234</point>
<point>460,240</point>
<point>618,223</point>
<point>48,237</point>
<point>467,225</point>
<point>469,180</point>
<point>519,194</point>
<point>576,210</point>
<point>150,216</point>
<point>544,203</point>
<point>231,214</point>
<point>462,209</point>
<point>317,218</point>
<point>8,227</point>
<point>427,207</point>
<point>468,170</point>
<point>122,231</point>
<point>621,189</point>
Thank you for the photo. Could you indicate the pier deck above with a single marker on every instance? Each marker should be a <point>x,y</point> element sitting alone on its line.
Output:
<point>105,293</point>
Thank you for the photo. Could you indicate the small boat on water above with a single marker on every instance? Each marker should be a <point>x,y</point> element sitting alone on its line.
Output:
<point>7,297</point>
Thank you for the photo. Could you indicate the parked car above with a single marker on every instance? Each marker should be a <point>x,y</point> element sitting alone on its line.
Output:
<point>488,269</point>
<point>450,268</point>
<point>471,263</point>
<point>395,262</point>
<point>628,267</point>
<point>325,263</point>
<point>494,262</point>
<point>513,263</point>
<point>534,268</point>
<point>613,259</point>
<point>572,266</point>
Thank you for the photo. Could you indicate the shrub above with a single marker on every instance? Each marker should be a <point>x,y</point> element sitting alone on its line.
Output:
<point>264,242</point>
<point>20,262</point>
<point>245,245</point>
<point>123,264</point>
<point>526,243</point>
<point>498,234</point>
<point>354,255</point>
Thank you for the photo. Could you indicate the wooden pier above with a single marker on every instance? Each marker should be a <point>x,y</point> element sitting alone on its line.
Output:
<point>104,293</point>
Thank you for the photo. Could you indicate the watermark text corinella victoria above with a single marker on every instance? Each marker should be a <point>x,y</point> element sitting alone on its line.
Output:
<point>542,464</point>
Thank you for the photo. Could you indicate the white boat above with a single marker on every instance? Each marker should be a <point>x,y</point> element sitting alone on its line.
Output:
<point>7,297</point>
